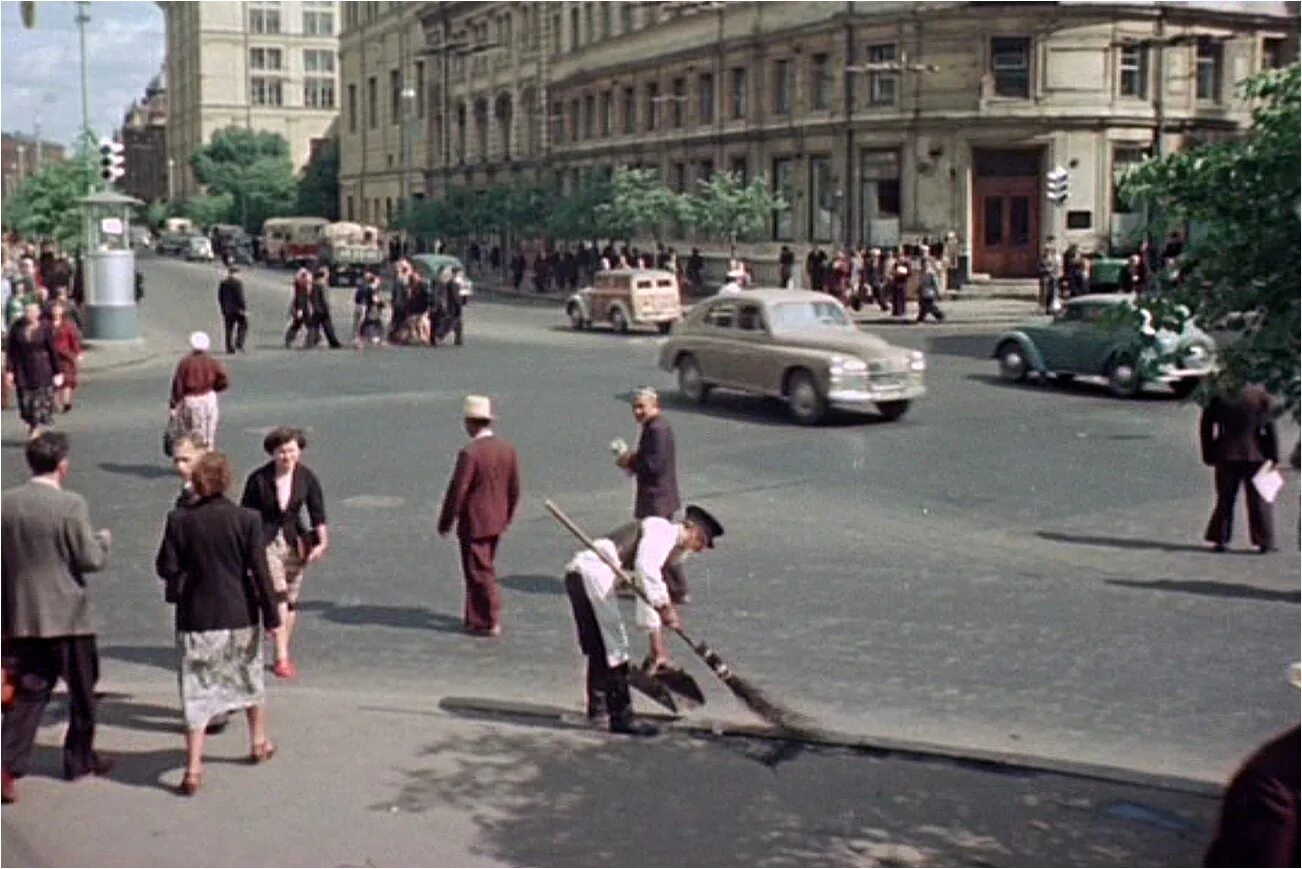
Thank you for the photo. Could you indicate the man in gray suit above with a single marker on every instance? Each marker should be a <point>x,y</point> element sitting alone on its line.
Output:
<point>48,548</point>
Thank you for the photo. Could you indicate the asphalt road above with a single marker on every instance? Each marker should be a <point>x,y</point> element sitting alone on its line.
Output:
<point>1008,568</point>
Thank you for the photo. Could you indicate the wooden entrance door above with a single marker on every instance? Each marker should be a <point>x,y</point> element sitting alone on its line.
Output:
<point>1006,219</point>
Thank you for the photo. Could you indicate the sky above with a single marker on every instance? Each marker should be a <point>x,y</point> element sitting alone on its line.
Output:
<point>40,73</point>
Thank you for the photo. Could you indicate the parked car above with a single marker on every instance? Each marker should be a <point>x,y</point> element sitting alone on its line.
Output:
<point>796,345</point>
<point>173,243</point>
<point>1083,340</point>
<point>428,266</point>
<point>628,297</point>
<point>198,247</point>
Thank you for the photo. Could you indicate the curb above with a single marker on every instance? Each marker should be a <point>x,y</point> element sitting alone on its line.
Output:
<point>89,365</point>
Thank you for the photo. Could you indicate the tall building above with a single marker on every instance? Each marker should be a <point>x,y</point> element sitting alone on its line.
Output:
<point>21,156</point>
<point>880,123</point>
<point>144,144</point>
<point>261,65</point>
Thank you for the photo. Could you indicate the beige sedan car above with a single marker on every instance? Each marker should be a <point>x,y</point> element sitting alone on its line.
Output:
<point>795,345</point>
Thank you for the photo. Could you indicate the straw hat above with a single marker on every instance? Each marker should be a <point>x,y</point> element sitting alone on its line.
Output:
<point>477,407</point>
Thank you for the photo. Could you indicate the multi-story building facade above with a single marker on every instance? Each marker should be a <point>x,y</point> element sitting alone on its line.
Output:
<point>144,145</point>
<point>879,122</point>
<point>383,109</point>
<point>21,156</point>
<point>262,65</point>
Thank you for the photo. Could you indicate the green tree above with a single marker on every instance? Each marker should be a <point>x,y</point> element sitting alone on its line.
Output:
<point>579,216</point>
<point>254,168</point>
<point>48,204</point>
<point>318,189</point>
<point>205,210</point>
<point>725,208</point>
<point>1240,268</point>
<point>639,205</point>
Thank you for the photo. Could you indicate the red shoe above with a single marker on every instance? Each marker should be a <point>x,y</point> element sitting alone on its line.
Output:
<point>285,669</point>
<point>8,790</point>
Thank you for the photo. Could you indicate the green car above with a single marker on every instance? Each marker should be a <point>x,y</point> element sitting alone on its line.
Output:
<point>1081,341</point>
<point>428,266</point>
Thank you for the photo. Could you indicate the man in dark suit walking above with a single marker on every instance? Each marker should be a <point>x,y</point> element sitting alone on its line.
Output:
<point>321,320</point>
<point>481,500</point>
<point>48,548</point>
<point>230,298</point>
<point>655,465</point>
<point>1237,433</point>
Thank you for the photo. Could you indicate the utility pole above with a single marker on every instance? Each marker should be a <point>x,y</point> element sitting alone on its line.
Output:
<point>82,19</point>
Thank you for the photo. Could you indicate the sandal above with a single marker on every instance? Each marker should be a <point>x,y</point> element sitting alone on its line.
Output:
<point>190,783</point>
<point>262,752</point>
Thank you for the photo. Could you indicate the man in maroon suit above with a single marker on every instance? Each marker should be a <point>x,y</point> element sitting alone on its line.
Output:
<point>481,500</point>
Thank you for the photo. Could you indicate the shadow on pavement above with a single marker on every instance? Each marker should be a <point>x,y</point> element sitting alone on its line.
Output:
<point>760,410</point>
<point>1057,386</point>
<point>980,346</point>
<point>144,472</point>
<point>677,800</point>
<point>1212,589</point>
<point>420,618</point>
<point>1119,542</point>
<point>533,584</point>
<point>163,657</point>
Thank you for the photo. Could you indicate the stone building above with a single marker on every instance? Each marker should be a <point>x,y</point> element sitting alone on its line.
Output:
<point>262,65</point>
<point>880,122</point>
<point>21,156</point>
<point>144,144</point>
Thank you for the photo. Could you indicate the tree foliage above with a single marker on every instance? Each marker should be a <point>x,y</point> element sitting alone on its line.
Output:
<point>722,207</point>
<point>318,189</point>
<point>1240,268</point>
<point>640,205</point>
<point>253,168</point>
<point>579,216</point>
<point>48,205</point>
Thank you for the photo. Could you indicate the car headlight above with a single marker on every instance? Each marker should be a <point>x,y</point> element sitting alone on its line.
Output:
<point>917,361</point>
<point>842,365</point>
<point>1197,355</point>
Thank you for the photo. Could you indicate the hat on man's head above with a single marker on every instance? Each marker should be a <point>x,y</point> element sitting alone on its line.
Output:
<point>702,519</point>
<point>199,341</point>
<point>477,407</point>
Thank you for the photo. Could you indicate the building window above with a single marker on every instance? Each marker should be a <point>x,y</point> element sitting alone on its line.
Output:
<point>739,92</point>
<point>319,93</point>
<point>556,33</point>
<point>372,103</point>
<point>349,209</point>
<point>265,59</point>
<point>822,203</point>
<point>395,96</point>
<point>1134,71</point>
<point>820,81</point>
<point>605,20</point>
<point>705,171</point>
<point>705,90</point>
<point>558,122</point>
<point>739,168</point>
<point>883,86</point>
<point>318,18</point>
<point>630,111</point>
<point>652,106</point>
<point>588,26</point>
<point>1124,158</point>
<point>1272,53</point>
<point>1010,65</point>
<point>264,17</point>
<point>574,120</point>
<point>782,170</point>
<point>267,91</point>
<point>1209,70</point>
<point>420,88</point>
<point>680,177</point>
<point>607,109</point>
<point>574,28</point>
<point>782,87</point>
<point>589,116</point>
<point>318,62</point>
<point>352,108</point>
<point>680,101</point>
<point>626,17</point>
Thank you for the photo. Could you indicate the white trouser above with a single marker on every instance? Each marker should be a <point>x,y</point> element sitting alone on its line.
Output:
<point>600,584</point>
<point>199,414</point>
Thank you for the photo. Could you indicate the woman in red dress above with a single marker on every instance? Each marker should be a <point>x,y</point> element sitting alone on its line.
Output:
<point>67,346</point>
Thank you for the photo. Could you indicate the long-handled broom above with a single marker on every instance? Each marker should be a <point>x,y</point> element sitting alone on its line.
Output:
<point>749,694</point>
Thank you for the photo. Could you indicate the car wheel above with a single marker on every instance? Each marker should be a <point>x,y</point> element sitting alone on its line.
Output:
<point>1184,387</point>
<point>619,321</point>
<point>576,317</point>
<point>1123,377</point>
<point>807,404</point>
<point>690,381</point>
<point>892,409</point>
<point>1064,379</point>
<point>666,327</point>
<point>1012,361</point>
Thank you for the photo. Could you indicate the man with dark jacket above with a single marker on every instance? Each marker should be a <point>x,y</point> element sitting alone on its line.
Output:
<point>49,547</point>
<point>321,321</point>
<point>1237,435</point>
<point>480,501</point>
<point>230,298</point>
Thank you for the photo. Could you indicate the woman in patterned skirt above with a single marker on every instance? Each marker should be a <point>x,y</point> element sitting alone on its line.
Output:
<point>213,558</point>
<point>33,367</point>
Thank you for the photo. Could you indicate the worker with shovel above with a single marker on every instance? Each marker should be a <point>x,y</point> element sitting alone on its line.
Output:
<point>591,584</point>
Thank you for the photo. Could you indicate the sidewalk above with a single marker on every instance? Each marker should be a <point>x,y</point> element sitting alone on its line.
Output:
<point>412,779</point>
<point>113,355</point>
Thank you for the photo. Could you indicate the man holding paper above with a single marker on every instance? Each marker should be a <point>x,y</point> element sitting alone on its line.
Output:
<point>1237,433</point>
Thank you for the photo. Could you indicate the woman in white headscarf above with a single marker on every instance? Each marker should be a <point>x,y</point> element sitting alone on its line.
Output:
<point>198,379</point>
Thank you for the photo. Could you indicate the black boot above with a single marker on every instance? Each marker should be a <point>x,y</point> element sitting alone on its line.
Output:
<point>622,719</point>
<point>598,708</point>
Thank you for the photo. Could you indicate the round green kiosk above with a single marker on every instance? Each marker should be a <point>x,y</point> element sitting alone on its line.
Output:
<point>110,269</point>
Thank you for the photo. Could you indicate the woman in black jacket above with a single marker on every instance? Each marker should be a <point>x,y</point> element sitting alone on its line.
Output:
<point>213,559</point>
<point>32,365</point>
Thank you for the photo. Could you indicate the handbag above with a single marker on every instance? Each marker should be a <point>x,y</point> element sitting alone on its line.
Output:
<point>171,431</point>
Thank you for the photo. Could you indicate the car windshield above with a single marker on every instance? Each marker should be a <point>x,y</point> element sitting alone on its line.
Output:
<point>796,316</point>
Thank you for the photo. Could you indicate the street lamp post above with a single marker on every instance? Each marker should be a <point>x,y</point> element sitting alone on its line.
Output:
<point>82,19</point>
<point>408,103</point>
<point>171,179</point>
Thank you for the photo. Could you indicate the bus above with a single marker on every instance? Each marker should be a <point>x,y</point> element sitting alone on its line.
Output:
<point>292,240</point>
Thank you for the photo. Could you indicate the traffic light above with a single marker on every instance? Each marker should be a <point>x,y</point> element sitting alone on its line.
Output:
<point>1056,183</point>
<point>111,161</point>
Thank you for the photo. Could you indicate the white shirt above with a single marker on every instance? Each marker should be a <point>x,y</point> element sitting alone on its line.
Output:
<point>731,288</point>
<point>284,486</point>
